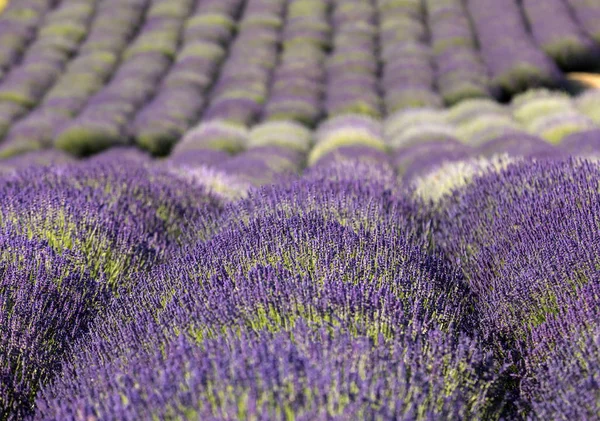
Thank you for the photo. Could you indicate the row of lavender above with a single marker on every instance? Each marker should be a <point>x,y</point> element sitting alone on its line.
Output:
<point>133,289</point>
<point>77,79</point>
<point>537,123</point>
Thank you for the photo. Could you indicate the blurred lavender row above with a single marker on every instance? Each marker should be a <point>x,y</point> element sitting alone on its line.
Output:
<point>20,22</point>
<point>238,96</point>
<point>162,71</point>
<point>538,124</point>
<point>460,71</point>
<point>407,74</point>
<point>181,96</point>
<point>103,121</point>
<point>60,34</point>
<point>512,57</point>
<point>352,66</point>
<point>86,74</point>
<point>298,83</point>
<point>587,13</point>
<point>559,34</point>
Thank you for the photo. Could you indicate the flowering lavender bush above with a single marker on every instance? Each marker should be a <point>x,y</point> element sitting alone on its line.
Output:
<point>119,220</point>
<point>481,244</point>
<point>306,288</point>
<point>47,300</point>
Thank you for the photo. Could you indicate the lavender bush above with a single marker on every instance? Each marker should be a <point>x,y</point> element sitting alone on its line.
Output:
<point>306,288</point>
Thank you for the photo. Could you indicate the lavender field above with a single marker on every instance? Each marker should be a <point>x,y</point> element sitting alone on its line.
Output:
<point>299,210</point>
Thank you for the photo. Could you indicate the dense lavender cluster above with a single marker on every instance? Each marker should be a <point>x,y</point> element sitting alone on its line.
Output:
<point>314,297</point>
<point>355,290</point>
<point>533,266</point>
<point>299,209</point>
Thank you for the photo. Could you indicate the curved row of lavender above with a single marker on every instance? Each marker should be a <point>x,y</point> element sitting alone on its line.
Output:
<point>20,22</point>
<point>558,33</point>
<point>72,238</point>
<point>238,97</point>
<point>352,65</point>
<point>298,84</point>
<point>508,49</point>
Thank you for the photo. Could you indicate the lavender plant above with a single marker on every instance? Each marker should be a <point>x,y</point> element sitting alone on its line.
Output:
<point>47,300</point>
<point>487,231</point>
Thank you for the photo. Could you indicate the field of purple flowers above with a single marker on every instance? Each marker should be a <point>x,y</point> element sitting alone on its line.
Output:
<point>299,210</point>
